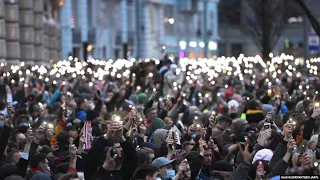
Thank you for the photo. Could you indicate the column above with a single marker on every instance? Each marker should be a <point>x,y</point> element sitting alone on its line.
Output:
<point>83,18</point>
<point>3,49</point>
<point>66,30</point>
<point>216,25</point>
<point>145,43</point>
<point>124,21</point>
<point>26,31</point>
<point>38,31</point>
<point>46,38</point>
<point>12,32</point>
<point>58,43</point>
<point>51,37</point>
<point>161,30</point>
<point>124,25</point>
<point>137,39</point>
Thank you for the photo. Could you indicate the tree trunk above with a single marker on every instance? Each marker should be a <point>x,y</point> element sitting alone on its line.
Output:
<point>266,32</point>
<point>266,49</point>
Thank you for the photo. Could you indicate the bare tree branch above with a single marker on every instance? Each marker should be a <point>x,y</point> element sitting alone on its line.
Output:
<point>263,21</point>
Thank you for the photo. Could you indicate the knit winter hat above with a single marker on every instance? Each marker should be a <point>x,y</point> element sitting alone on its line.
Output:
<point>143,98</point>
<point>266,108</point>
<point>134,98</point>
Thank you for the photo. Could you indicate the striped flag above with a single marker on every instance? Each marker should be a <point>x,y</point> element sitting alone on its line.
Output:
<point>87,133</point>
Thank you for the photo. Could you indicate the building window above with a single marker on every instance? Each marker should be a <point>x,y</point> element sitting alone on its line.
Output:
<point>236,49</point>
<point>168,13</point>
<point>227,13</point>
<point>104,52</point>
<point>223,49</point>
<point>211,21</point>
<point>75,14</point>
<point>89,8</point>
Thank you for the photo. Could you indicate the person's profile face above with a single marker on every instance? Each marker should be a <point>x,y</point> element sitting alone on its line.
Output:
<point>154,177</point>
<point>163,170</point>
<point>151,156</point>
<point>259,105</point>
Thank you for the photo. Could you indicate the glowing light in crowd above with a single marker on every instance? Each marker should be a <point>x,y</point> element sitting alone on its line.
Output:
<point>212,46</point>
<point>171,21</point>
<point>193,44</point>
<point>201,44</point>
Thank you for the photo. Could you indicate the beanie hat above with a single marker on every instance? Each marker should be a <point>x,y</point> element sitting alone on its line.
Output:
<point>143,98</point>
<point>222,165</point>
<point>134,98</point>
<point>228,93</point>
<point>149,145</point>
<point>263,154</point>
<point>266,108</point>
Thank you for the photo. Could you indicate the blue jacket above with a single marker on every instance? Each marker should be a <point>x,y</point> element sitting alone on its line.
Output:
<point>55,96</point>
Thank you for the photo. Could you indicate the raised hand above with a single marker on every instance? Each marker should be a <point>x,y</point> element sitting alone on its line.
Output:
<point>170,144</point>
<point>115,129</point>
<point>30,136</point>
<point>168,105</point>
<point>110,162</point>
<point>290,146</point>
<point>247,156</point>
<point>182,168</point>
<point>306,159</point>
<point>263,137</point>
<point>202,145</point>
<point>11,112</point>
<point>213,145</point>
<point>287,131</point>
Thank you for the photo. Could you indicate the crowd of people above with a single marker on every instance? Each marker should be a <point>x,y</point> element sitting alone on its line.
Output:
<point>164,119</point>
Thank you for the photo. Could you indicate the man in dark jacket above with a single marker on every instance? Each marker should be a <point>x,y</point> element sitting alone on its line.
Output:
<point>111,166</point>
<point>111,170</point>
<point>254,113</point>
<point>221,170</point>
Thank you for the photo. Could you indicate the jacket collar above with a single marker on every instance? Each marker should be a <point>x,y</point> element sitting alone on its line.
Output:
<point>254,111</point>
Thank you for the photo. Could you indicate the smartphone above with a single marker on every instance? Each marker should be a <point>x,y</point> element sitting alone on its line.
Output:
<point>65,112</point>
<point>267,125</point>
<point>113,152</point>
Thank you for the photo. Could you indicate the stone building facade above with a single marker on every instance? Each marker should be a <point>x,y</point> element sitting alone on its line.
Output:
<point>140,27</point>
<point>29,31</point>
